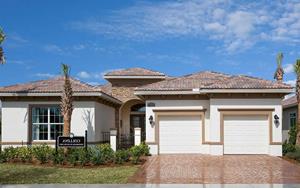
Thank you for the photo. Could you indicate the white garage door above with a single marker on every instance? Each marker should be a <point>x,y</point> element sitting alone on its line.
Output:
<point>180,134</point>
<point>246,134</point>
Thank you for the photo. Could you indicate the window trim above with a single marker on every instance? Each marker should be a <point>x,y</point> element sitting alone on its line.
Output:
<point>30,122</point>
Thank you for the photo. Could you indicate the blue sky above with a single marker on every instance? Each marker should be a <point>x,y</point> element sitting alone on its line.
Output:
<point>174,37</point>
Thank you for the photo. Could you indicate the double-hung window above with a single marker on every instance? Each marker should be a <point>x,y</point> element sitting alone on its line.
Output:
<point>47,123</point>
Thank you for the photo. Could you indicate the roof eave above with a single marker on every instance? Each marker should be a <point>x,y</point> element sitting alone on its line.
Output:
<point>56,94</point>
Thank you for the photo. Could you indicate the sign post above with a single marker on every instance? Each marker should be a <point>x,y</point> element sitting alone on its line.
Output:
<point>85,140</point>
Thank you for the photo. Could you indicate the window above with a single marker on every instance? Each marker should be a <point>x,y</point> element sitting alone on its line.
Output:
<point>138,108</point>
<point>292,119</point>
<point>46,123</point>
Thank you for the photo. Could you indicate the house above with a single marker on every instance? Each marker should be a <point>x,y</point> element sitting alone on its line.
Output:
<point>290,114</point>
<point>205,112</point>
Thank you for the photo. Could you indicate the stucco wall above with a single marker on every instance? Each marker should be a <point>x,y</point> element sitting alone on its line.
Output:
<point>105,119</point>
<point>15,120</point>
<point>212,119</point>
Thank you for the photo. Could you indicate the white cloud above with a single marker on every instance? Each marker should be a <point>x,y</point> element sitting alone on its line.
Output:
<point>238,26</point>
<point>289,68</point>
<point>45,75</point>
<point>291,82</point>
<point>53,48</point>
<point>84,74</point>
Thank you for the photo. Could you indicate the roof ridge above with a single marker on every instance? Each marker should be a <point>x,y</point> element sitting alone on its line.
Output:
<point>259,78</point>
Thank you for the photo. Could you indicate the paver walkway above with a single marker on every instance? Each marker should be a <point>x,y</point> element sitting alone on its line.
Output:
<point>244,169</point>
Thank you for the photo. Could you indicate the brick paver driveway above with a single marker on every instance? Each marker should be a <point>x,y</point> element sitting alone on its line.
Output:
<point>217,169</point>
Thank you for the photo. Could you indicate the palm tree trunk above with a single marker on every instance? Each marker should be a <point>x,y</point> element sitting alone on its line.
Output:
<point>67,125</point>
<point>298,113</point>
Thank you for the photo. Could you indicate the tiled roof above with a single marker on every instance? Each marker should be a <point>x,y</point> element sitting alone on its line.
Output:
<point>213,80</point>
<point>54,85</point>
<point>289,102</point>
<point>134,72</point>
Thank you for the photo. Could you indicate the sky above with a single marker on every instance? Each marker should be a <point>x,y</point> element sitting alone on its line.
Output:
<point>173,37</point>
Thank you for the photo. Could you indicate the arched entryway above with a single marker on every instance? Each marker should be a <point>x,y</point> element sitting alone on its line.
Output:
<point>132,115</point>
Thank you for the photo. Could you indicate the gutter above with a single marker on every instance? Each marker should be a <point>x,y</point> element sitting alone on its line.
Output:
<point>210,91</point>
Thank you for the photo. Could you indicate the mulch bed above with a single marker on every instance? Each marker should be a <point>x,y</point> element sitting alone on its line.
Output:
<point>67,165</point>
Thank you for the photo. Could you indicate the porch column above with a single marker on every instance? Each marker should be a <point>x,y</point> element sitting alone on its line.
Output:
<point>137,136</point>
<point>113,139</point>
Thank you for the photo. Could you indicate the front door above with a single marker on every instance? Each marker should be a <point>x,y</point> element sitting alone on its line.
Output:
<point>138,120</point>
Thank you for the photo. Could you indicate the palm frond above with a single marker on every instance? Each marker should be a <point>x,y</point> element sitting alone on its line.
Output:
<point>279,59</point>
<point>2,35</point>
<point>65,70</point>
<point>297,67</point>
<point>2,57</point>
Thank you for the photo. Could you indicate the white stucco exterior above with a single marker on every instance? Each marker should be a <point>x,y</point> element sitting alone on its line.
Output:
<point>212,119</point>
<point>91,116</point>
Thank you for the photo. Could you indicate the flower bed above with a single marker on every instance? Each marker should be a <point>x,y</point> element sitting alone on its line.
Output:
<point>98,155</point>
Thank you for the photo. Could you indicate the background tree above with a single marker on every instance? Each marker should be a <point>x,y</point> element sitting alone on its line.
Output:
<point>67,100</point>
<point>2,38</point>
<point>297,71</point>
<point>279,71</point>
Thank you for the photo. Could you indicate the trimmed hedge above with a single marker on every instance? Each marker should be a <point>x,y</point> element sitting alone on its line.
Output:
<point>95,155</point>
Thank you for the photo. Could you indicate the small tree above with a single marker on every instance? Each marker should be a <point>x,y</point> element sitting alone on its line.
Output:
<point>2,38</point>
<point>67,100</point>
<point>297,71</point>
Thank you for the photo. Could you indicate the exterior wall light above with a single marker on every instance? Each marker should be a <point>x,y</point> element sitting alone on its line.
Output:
<point>151,120</point>
<point>276,120</point>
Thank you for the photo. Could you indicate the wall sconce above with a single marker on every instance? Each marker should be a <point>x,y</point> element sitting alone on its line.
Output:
<point>276,120</point>
<point>151,120</point>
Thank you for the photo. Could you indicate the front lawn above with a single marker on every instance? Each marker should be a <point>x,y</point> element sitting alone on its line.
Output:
<point>30,174</point>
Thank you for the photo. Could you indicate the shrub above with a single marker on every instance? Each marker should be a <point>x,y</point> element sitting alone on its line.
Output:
<point>84,156</point>
<point>10,153</point>
<point>146,149</point>
<point>294,155</point>
<point>121,156</point>
<point>58,157</point>
<point>106,152</point>
<point>42,153</point>
<point>136,152</point>
<point>24,153</point>
<point>72,156</point>
<point>96,156</point>
<point>287,148</point>
<point>292,135</point>
<point>3,157</point>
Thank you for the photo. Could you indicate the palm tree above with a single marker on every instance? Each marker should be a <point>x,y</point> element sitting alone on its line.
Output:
<point>297,71</point>
<point>279,71</point>
<point>67,100</point>
<point>2,37</point>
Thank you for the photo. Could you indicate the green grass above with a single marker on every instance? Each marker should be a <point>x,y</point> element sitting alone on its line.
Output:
<point>29,174</point>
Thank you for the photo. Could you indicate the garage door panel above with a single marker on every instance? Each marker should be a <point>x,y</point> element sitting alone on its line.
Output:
<point>180,134</point>
<point>246,134</point>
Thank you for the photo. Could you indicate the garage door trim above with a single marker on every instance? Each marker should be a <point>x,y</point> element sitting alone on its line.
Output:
<point>267,112</point>
<point>159,113</point>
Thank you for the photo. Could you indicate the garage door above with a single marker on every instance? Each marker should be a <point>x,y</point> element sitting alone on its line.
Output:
<point>180,134</point>
<point>246,134</point>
